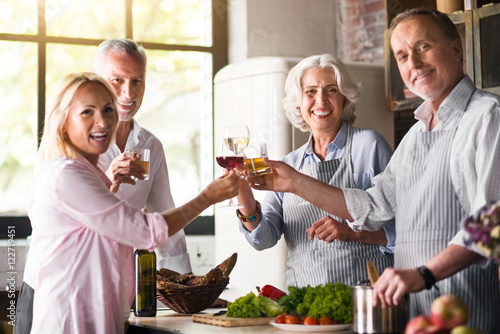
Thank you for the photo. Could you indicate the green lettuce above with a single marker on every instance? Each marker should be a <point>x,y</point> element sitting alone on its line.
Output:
<point>253,306</point>
<point>333,300</point>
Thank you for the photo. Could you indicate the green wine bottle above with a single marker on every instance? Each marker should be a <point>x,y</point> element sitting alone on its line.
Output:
<point>145,283</point>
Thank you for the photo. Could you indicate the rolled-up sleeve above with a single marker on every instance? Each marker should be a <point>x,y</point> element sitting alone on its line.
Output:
<point>371,210</point>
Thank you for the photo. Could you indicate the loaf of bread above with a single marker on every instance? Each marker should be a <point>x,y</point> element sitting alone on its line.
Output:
<point>169,279</point>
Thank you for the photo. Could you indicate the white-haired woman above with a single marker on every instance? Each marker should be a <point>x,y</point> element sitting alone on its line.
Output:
<point>321,94</point>
<point>83,235</point>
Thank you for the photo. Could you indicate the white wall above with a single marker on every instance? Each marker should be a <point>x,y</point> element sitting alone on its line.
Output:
<point>281,28</point>
<point>300,28</point>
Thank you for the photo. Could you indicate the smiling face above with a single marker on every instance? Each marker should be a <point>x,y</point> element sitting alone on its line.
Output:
<point>91,121</point>
<point>430,62</point>
<point>127,74</point>
<point>322,103</point>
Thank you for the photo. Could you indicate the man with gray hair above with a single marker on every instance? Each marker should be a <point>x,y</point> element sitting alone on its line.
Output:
<point>122,62</point>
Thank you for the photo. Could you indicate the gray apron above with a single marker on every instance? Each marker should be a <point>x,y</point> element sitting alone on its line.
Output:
<point>314,262</point>
<point>428,215</point>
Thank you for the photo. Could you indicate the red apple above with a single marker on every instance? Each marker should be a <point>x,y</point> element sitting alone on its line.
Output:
<point>449,311</point>
<point>422,324</point>
<point>418,324</point>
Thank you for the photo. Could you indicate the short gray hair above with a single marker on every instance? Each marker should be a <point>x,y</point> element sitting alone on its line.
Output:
<point>123,45</point>
<point>442,20</point>
<point>293,88</point>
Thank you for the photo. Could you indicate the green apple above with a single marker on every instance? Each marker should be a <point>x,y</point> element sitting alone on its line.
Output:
<point>465,330</point>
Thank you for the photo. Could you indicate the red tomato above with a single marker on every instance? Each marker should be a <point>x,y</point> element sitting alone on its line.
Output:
<point>325,321</point>
<point>291,320</point>
<point>310,321</point>
<point>280,319</point>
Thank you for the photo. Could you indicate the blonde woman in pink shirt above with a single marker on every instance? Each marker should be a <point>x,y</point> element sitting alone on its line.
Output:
<point>82,233</point>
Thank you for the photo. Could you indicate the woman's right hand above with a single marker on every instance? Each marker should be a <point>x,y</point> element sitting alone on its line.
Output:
<point>329,229</point>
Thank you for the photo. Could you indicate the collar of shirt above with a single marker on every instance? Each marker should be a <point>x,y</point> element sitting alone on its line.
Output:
<point>96,170</point>
<point>457,100</point>
<point>335,148</point>
<point>133,136</point>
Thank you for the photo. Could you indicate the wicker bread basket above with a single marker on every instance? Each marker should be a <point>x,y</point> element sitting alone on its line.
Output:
<point>191,299</point>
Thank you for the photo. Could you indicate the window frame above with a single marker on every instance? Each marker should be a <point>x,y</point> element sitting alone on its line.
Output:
<point>203,225</point>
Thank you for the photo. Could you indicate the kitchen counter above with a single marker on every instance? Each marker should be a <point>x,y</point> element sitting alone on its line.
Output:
<point>168,321</point>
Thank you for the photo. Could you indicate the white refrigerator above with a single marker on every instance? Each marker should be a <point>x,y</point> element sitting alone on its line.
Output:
<point>250,92</point>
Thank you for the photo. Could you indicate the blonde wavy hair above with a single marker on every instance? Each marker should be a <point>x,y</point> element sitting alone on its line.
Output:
<point>293,88</point>
<point>55,143</point>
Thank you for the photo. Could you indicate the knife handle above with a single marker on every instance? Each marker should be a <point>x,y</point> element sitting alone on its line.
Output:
<point>372,272</point>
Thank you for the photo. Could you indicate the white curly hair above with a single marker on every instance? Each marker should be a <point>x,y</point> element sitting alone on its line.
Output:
<point>293,88</point>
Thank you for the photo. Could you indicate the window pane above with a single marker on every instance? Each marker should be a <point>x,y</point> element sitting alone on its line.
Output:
<point>182,22</point>
<point>19,17</point>
<point>86,19</point>
<point>490,65</point>
<point>63,59</point>
<point>18,124</point>
<point>177,108</point>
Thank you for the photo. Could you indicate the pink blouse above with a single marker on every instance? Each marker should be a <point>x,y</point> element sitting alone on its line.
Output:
<point>80,259</point>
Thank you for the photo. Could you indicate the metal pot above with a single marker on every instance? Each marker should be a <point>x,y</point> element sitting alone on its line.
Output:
<point>369,319</point>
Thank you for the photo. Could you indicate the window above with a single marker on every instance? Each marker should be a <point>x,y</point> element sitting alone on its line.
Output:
<point>43,40</point>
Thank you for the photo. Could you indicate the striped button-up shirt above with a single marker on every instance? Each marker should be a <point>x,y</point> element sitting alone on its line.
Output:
<point>474,161</point>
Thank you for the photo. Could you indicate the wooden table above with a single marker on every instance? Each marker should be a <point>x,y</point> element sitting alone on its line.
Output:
<point>168,321</point>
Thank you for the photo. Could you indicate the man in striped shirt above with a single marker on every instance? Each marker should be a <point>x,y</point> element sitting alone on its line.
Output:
<point>445,169</point>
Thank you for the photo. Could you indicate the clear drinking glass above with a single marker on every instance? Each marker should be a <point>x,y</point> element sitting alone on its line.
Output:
<point>253,159</point>
<point>143,160</point>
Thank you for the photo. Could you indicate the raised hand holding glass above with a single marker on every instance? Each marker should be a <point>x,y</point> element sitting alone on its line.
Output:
<point>228,159</point>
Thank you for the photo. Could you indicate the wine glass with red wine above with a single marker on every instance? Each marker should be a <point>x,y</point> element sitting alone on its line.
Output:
<point>228,157</point>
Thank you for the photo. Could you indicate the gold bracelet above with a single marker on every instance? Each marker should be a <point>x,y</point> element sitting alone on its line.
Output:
<point>252,218</point>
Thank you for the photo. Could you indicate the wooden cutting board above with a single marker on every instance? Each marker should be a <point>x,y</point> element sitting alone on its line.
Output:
<point>225,321</point>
